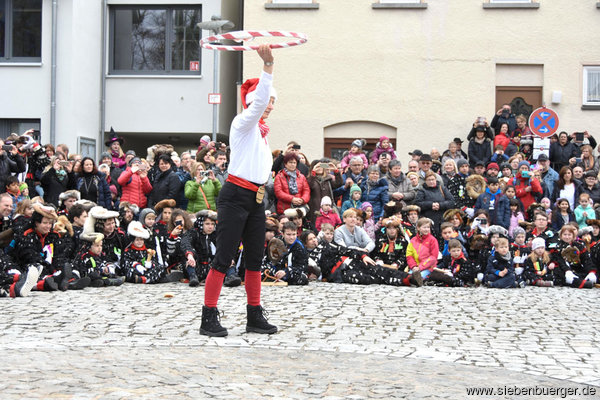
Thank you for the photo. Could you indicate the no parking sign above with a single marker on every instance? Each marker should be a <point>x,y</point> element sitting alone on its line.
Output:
<point>543,122</point>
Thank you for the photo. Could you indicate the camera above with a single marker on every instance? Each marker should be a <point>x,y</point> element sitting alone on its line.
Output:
<point>481,121</point>
<point>482,221</point>
<point>179,223</point>
<point>579,136</point>
<point>578,160</point>
<point>6,147</point>
<point>505,113</point>
<point>204,173</point>
<point>525,174</point>
<point>296,147</point>
<point>324,165</point>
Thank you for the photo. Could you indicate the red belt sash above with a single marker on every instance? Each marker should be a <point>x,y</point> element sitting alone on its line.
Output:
<point>241,182</point>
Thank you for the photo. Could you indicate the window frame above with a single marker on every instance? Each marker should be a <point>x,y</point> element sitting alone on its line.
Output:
<point>584,86</point>
<point>8,36</point>
<point>168,70</point>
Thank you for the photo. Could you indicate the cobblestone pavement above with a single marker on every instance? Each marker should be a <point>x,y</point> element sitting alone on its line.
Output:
<point>335,341</point>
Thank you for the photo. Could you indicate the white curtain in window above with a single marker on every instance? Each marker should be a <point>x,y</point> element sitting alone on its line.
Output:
<point>593,86</point>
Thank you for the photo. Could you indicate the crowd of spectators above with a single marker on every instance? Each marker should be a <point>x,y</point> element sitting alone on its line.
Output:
<point>494,210</point>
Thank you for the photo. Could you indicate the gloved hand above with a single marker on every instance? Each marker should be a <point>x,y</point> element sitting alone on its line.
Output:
<point>29,143</point>
<point>569,276</point>
<point>591,277</point>
<point>470,212</point>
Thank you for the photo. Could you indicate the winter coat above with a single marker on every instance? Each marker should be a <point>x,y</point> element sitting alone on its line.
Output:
<point>457,186</point>
<point>135,188</point>
<point>346,160</point>
<point>100,194</point>
<point>193,192</point>
<point>391,252</point>
<point>376,194</point>
<point>401,185</point>
<point>560,155</point>
<point>520,184</point>
<point>9,164</point>
<point>320,187</point>
<point>117,160</point>
<point>166,186</point>
<point>343,190</point>
<point>479,152</point>
<point>29,249</point>
<point>184,176</point>
<point>53,186</point>
<point>330,218</point>
<point>422,252</point>
<point>497,264</point>
<point>282,191</point>
<point>426,196</point>
<point>500,213</point>
<point>594,192</point>
<point>550,177</point>
<point>379,150</point>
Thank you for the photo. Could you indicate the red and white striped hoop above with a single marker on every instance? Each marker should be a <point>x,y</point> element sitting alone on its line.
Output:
<point>239,36</point>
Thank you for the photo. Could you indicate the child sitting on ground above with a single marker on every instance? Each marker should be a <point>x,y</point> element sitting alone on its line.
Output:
<point>500,272</point>
<point>327,214</point>
<point>454,269</point>
<point>293,266</point>
<point>584,210</point>
<point>539,271</point>
<point>92,263</point>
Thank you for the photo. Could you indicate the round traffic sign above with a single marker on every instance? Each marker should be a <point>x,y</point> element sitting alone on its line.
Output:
<point>543,122</point>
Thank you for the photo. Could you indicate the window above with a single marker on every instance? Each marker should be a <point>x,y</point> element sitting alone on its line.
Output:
<point>20,30</point>
<point>86,146</point>
<point>19,126</point>
<point>591,86</point>
<point>155,40</point>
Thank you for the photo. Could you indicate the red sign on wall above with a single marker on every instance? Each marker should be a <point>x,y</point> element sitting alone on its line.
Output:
<point>194,65</point>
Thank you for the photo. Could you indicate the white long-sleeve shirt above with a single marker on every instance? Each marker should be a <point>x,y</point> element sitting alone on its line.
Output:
<point>251,157</point>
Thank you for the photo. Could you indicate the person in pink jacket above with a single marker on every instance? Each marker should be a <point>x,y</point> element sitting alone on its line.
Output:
<point>135,183</point>
<point>355,151</point>
<point>423,249</point>
<point>327,215</point>
<point>290,186</point>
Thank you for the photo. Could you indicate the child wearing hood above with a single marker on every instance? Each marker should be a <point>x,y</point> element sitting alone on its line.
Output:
<point>327,214</point>
<point>355,150</point>
<point>383,146</point>
<point>369,221</point>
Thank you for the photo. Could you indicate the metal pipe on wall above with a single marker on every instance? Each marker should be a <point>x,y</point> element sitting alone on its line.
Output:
<point>102,82</point>
<point>53,73</point>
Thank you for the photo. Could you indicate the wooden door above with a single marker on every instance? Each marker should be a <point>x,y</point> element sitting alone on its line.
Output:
<point>522,99</point>
<point>336,147</point>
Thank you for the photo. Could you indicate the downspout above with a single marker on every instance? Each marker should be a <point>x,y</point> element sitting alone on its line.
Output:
<point>53,73</point>
<point>102,81</point>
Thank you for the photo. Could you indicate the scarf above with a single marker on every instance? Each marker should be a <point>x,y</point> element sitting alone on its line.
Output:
<point>264,128</point>
<point>396,181</point>
<point>292,184</point>
<point>505,257</point>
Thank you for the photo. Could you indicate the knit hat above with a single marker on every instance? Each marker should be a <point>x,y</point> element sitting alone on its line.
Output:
<point>23,186</point>
<point>105,154</point>
<point>537,243</point>
<point>382,138</point>
<point>493,165</point>
<point>366,205</point>
<point>247,91</point>
<point>358,143</point>
<point>205,140</point>
<point>325,200</point>
<point>518,231</point>
<point>524,162</point>
<point>144,213</point>
<point>461,162</point>
<point>355,188</point>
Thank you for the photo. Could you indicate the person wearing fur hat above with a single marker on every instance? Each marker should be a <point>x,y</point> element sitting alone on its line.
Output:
<point>575,265</point>
<point>321,183</point>
<point>135,184</point>
<point>390,248</point>
<point>91,262</point>
<point>66,200</point>
<point>164,209</point>
<point>155,240</point>
<point>61,253</point>
<point>327,214</point>
<point>33,248</point>
<point>241,212</point>
<point>139,263</point>
<point>127,213</point>
<point>178,227</point>
<point>101,220</point>
<point>199,247</point>
<point>292,267</point>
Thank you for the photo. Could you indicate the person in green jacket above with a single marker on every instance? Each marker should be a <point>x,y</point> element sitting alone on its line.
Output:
<point>202,190</point>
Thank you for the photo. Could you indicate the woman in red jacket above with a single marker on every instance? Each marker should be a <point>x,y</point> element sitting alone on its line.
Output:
<point>291,187</point>
<point>135,183</point>
<point>526,185</point>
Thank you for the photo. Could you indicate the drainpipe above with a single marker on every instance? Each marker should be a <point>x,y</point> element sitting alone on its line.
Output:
<point>102,81</point>
<point>53,73</point>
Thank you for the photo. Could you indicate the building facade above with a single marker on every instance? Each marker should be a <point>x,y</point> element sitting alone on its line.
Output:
<point>421,71</point>
<point>73,69</point>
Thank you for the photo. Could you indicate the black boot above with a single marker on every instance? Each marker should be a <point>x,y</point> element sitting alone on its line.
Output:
<point>50,285</point>
<point>416,277</point>
<point>257,322</point>
<point>79,284</point>
<point>114,281</point>
<point>211,322</point>
<point>232,280</point>
<point>194,282</point>
<point>66,275</point>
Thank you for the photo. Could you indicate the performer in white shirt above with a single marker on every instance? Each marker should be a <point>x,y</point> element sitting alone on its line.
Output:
<point>241,213</point>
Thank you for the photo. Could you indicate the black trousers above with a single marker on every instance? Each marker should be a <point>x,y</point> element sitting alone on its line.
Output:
<point>241,218</point>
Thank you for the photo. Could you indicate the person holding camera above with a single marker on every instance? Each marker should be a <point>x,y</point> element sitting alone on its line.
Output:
<point>58,177</point>
<point>135,183</point>
<point>202,191</point>
<point>166,182</point>
<point>504,115</point>
<point>322,183</point>
<point>220,167</point>
<point>526,186</point>
<point>10,161</point>
<point>292,148</point>
<point>563,152</point>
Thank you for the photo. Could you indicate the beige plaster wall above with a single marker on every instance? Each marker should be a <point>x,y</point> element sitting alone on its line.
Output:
<point>428,73</point>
